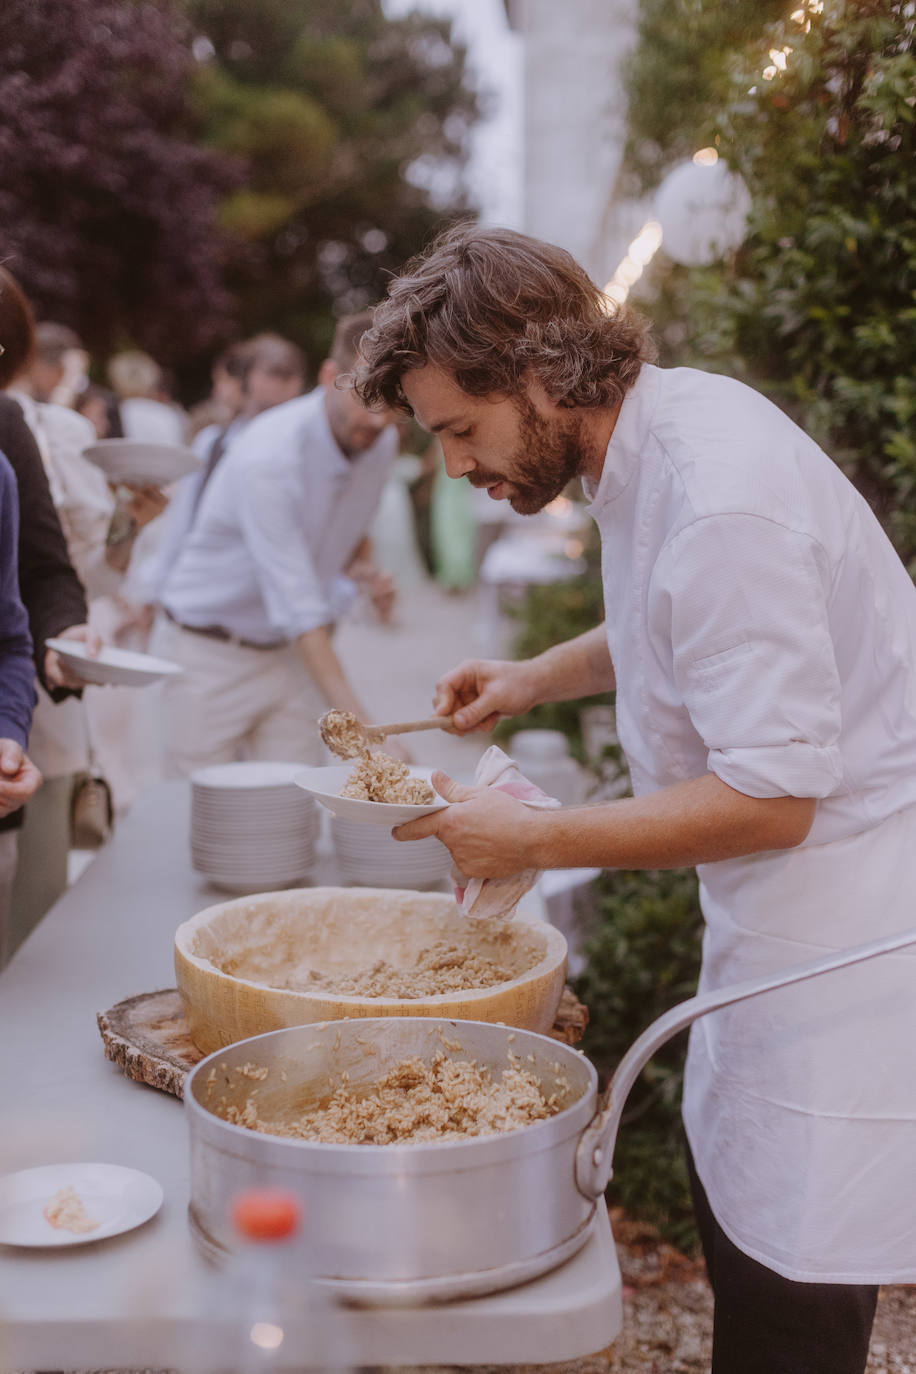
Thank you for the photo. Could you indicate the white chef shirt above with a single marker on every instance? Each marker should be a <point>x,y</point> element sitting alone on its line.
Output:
<point>760,623</point>
<point>762,627</point>
<point>277,525</point>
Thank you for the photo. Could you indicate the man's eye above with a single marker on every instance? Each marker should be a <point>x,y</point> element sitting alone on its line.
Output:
<point>462,433</point>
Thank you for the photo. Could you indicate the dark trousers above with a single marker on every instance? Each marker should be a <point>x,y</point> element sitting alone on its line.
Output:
<point>765,1324</point>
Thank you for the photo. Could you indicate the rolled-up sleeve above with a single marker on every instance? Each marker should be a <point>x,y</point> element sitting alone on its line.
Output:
<point>277,529</point>
<point>741,602</point>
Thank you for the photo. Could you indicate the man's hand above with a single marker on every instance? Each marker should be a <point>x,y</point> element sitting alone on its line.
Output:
<point>145,504</point>
<point>377,584</point>
<point>479,691</point>
<point>19,778</point>
<point>59,674</point>
<point>488,833</point>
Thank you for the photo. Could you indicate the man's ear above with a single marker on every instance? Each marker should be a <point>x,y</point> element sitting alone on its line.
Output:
<point>328,372</point>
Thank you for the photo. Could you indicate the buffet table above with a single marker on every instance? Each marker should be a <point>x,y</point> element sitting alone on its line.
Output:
<point>135,1300</point>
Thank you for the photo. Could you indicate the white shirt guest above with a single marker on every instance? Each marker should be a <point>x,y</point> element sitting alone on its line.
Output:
<point>267,371</point>
<point>250,606</point>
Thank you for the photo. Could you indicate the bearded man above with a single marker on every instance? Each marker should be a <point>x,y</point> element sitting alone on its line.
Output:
<point>760,633</point>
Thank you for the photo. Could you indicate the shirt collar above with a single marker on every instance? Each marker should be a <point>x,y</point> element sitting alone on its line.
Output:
<point>627,441</point>
<point>338,461</point>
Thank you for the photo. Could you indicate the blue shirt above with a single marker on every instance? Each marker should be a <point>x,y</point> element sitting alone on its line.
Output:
<point>17,671</point>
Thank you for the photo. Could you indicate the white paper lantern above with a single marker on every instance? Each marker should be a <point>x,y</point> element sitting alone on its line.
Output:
<point>703,211</point>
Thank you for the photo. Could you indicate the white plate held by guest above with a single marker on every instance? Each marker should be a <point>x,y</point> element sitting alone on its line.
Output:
<point>325,783</point>
<point>115,1197</point>
<point>141,464</point>
<point>115,667</point>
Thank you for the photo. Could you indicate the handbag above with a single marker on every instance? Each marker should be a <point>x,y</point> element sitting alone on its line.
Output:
<point>91,802</point>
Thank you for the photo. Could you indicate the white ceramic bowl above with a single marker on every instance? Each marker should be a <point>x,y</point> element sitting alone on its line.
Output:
<point>325,783</point>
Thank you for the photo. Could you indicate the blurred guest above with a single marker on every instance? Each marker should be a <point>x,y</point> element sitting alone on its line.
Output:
<point>57,362</point>
<point>100,407</point>
<point>139,381</point>
<point>56,606</point>
<point>268,370</point>
<point>34,365</point>
<point>19,777</point>
<point>453,531</point>
<point>393,533</point>
<point>86,508</point>
<point>225,399</point>
<point>48,583</point>
<point>251,602</point>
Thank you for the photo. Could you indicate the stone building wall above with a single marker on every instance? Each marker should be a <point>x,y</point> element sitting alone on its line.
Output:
<point>574,114</point>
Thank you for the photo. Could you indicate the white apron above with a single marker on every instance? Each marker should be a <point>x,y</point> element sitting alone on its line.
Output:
<point>763,629</point>
<point>800,1105</point>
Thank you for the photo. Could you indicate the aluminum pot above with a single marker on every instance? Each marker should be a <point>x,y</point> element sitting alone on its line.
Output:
<point>390,1222</point>
<point>430,1221</point>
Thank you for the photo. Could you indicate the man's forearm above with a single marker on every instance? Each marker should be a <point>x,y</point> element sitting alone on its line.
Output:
<point>580,667</point>
<point>699,821</point>
<point>316,648</point>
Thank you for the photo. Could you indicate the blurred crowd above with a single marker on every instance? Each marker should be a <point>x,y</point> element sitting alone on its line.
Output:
<point>304,508</point>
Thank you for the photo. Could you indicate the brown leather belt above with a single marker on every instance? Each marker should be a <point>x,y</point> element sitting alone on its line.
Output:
<point>224,636</point>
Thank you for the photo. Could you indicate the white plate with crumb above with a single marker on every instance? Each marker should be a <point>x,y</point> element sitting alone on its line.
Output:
<point>74,1204</point>
<point>111,666</point>
<point>325,783</point>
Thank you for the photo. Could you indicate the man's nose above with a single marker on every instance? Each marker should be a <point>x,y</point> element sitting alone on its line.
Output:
<point>457,464</point>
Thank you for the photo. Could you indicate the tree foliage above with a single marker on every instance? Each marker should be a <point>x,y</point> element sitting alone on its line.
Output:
<point>819,306</point>
<point>334,109</point>
<point>107,204</point>
<point>682,63</point>
<point>643,959</point>
<point>173,172</point>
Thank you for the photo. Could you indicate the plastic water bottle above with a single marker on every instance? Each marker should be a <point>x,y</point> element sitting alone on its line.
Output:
<point>279,1317</point>
<point>266,1223</point>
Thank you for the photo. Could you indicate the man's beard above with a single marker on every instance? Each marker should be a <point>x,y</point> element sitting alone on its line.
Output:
<point>549,455</point>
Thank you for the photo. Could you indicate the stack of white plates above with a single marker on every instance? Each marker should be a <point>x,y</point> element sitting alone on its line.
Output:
<point>367,854</point>
<point>252,828</point>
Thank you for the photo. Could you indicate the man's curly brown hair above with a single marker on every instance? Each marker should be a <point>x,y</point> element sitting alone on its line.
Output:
<point>493,309</point>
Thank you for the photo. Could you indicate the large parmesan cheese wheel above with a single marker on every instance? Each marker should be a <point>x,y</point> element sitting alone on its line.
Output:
<point>232,961</point>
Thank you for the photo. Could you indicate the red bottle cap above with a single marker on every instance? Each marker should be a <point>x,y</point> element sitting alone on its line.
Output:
<point>266,1214</point>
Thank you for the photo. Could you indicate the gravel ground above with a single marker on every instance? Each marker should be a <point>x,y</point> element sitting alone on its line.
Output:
<point>667,1318</point>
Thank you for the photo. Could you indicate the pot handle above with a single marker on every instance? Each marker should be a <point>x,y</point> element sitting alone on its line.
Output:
<point>595,1151</point>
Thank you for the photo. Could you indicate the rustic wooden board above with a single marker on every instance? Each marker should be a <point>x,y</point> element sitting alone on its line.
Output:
<point>147,1036</point>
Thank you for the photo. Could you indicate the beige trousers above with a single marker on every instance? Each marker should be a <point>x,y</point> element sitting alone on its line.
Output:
<point>233,703</point>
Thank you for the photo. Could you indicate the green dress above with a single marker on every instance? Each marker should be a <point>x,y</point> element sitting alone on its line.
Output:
<point>453,531</point>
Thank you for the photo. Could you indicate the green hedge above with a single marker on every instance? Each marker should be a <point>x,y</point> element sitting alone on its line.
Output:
<point>643,959</point>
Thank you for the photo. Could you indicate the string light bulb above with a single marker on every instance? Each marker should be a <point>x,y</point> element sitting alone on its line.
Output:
<point>638,256</point>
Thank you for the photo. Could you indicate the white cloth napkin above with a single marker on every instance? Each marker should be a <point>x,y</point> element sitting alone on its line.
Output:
<point>492,898</point>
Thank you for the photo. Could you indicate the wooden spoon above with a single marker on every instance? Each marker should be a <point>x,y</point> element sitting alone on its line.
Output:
<point>362,736</point>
